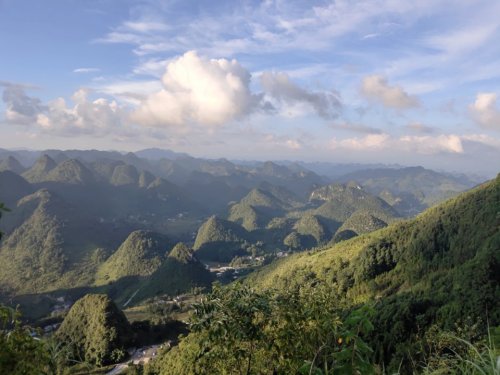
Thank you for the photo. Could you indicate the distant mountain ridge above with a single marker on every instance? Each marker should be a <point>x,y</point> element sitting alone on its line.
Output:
<point>411,189</point>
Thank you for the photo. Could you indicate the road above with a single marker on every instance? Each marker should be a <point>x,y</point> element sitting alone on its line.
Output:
<point>143,355</point>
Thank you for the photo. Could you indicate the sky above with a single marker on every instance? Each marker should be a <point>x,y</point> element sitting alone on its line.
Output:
<point>349,81</point>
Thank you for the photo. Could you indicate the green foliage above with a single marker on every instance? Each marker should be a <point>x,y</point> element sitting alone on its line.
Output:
<point>454,354</point>
<point>362,222</point>
<point>95,330</point>
<point>20,353</point>
<point>310,225</point>
<point>141,254</point>
<point>436,269</point>
<point>180,272</point>
<point>2,210</point>
<point>38,172</point>
<point>238,330</point>
<point>219,240</point>
<point>341,201</point>
<point>71,172</point>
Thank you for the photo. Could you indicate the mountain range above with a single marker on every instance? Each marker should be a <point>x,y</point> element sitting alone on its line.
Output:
<point>99,219</point>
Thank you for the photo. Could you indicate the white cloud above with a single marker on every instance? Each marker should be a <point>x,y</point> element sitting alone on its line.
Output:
<point>485,112</point>
<point>97,117</point>
<point>145,26</point>
<point>483,139</point>
<point>273,140</point>
<point>200,91</point>
<point>281,88</point>
<point>20,108</point>
<point>414,144</point>
<point>431,145</point>
<point>463,40</point>
<point>86,70</point>
<point>375,87</point>
<point>368,142</point>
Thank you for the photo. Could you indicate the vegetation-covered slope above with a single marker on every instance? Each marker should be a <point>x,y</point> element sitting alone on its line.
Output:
<point>139,255</point>
<point>341,201</point>
<point>95,330</point>
<point>219,239</point>
<point>71,171</point>
<point>360,222</point>
<point>50,244</point>
<point>13,187</point>
<point>38,172</point>
<point>11,164</point>
<point>179,273</point>
<point>412,280</point>
<point>410,190</point>
<point>439,268</point>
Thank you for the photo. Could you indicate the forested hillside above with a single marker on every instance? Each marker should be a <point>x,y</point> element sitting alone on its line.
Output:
<point>413,280</point>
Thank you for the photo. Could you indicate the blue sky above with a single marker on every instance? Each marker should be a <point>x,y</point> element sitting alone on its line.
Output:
<point>343,81</point>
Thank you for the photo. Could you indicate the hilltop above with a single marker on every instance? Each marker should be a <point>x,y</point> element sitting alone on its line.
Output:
<point>219,239</point>
<point>141,254</point>
<point>95,330</point>
<point>179,273</point>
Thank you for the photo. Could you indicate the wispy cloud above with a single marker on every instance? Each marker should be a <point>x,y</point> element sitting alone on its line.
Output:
<point>280,87</point>
<point>420,128</point>
<point>376,87</point>
<point>442,143</point>
<point>355,128</point>
<point>86,70</point>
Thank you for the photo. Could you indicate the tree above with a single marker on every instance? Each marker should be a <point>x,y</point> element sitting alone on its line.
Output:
<point>4,209</point>
<point>20,352</point>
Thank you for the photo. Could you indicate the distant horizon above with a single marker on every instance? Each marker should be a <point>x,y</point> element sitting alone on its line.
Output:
<point>369,165</point>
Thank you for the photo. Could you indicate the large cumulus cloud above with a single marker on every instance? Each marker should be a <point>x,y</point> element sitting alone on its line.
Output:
<point>85,116</point>
<point>485,112</point>
<point>197,90</point>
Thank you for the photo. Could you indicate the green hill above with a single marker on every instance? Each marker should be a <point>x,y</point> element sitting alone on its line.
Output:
<point>124,174</point>
<point>415,188</point>
<point>262,198</point>
<point>50,244</point>
<point>11,164</point>
<point>71,171</point>
<point>95,330</point>
<point>260,206</point>
<point>13,187</point>
<point>247,216</point>
<point>104,168</point>
<point>38,172</point>
<point>358,223</point>
<point>219,240</point>
<point>311,225</point>
<point>179,273</point>
<point>141,254</point>
<point>437,269</point>
<point>341,201</point>
<point>286,198</point>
